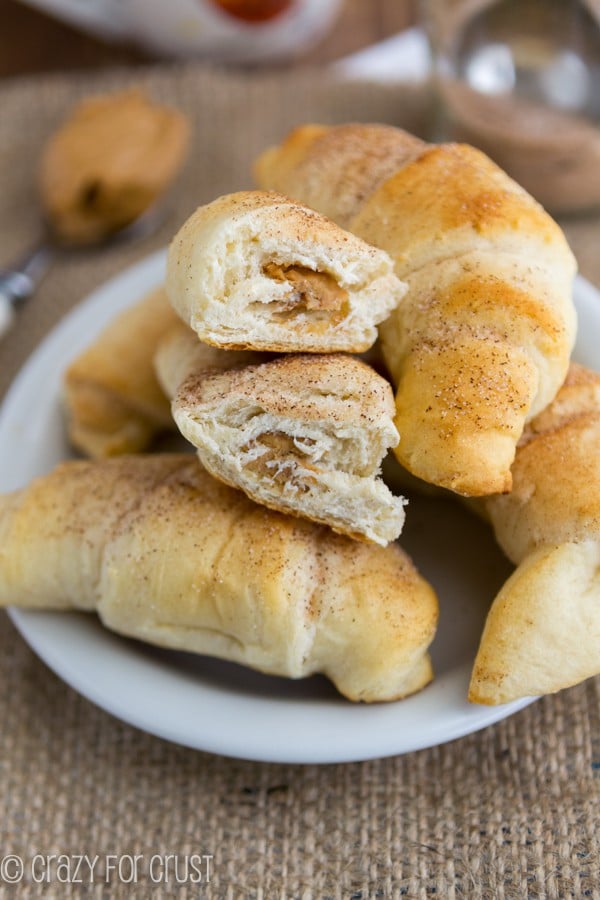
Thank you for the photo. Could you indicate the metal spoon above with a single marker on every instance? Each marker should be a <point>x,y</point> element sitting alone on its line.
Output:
<point>19,281</point>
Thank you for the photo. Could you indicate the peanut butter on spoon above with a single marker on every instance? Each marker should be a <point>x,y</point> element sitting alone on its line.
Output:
<point>108,163</point>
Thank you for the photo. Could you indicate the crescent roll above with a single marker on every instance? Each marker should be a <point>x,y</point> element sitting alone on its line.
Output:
<point>166,554</point>
<point>180,354</point>
<point>113,401</point>
<point>543,629</point>
<point>256,270</point>
<point>303,434</point>
<point>481,342</point>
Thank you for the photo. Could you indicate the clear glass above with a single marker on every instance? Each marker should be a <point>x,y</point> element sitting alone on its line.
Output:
<point>521,80</point>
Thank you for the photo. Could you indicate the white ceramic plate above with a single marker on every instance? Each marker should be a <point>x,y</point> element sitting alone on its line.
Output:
<point>220,707</point>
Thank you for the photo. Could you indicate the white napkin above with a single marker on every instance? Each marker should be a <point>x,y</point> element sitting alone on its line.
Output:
<point>402,57</point>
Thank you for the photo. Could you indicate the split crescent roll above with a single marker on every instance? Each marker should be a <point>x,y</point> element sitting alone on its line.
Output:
<point>256,270</point>
<point>303,434</point>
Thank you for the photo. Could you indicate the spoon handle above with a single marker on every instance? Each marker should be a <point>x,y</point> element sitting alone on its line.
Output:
<point>7,314</point>
<point>18,282</point>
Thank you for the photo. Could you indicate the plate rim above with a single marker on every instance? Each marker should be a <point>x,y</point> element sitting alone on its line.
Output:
<point>130,284</point>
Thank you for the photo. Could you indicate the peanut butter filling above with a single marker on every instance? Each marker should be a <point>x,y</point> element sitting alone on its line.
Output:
<point>312,290</point>
<point>109,162</point>
<point>274,462</point>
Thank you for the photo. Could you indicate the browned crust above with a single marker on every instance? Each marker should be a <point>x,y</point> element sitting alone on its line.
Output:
<point>339,167</point>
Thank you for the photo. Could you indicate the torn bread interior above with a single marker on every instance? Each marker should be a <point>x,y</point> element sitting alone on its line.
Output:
<point>301,434</point>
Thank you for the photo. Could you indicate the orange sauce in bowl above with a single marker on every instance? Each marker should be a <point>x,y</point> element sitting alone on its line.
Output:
<point>254,11</point>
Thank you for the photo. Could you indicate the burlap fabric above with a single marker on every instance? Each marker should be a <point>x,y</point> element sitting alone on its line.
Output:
<point>509,812</point>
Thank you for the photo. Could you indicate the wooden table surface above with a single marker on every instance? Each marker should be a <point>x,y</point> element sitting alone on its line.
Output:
<point>31,42</point>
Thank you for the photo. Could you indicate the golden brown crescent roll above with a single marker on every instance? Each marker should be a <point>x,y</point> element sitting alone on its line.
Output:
<point>303,434</point>
<point>166,554</point>
<point>556,473</point>
<point>542,632</point>
<point>256,270</point>
<point>109,162</point>
<point>481,342</point>
<point>543,629</point>
<point>113,400</point>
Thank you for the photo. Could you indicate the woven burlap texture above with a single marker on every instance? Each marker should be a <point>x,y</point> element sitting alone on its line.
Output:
<point>509,812</point>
